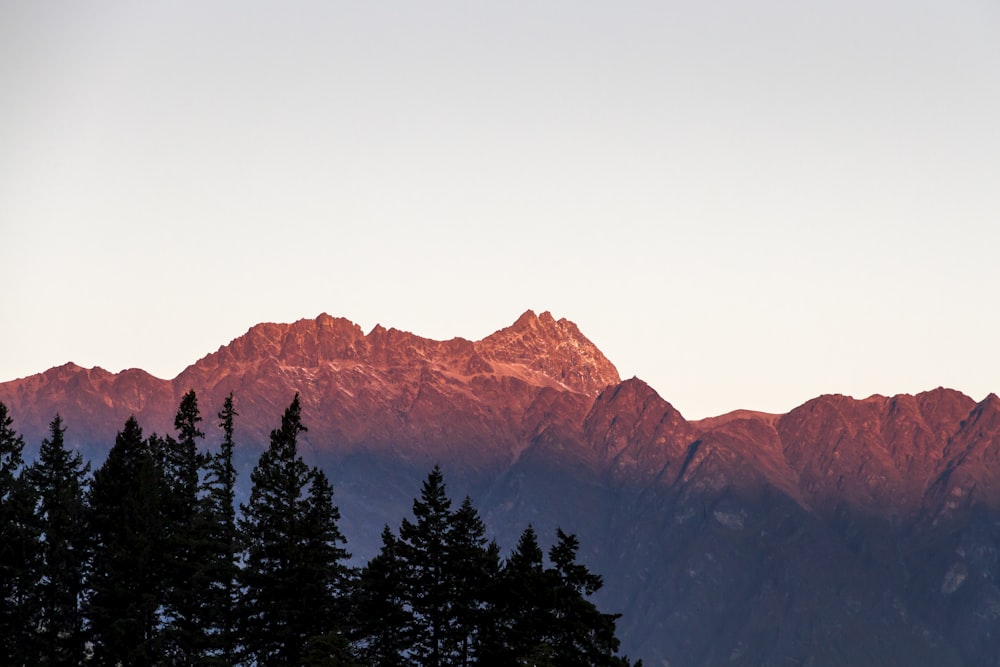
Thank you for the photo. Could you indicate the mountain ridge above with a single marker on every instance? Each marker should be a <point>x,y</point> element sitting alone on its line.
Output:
<point>881,511</point>
<point>538,375</point>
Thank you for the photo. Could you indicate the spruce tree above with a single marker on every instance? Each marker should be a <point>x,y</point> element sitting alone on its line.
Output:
<point>18,550</point>
<point>524,606</point>
<point>126,579</point>
<point>284,537</point>
<point>185,539</point>
<point>59,478</point>
<point>325,579</point>
<point>220,567</point>
<point>474,566</point>
<point>11,451</point>
<point>545,616</point>
<point>423,548</point>
<point>582,633</point>
<point>383,622</point>
<point>448,568</point>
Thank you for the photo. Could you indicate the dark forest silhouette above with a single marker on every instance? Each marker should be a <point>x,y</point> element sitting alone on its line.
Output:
<point>148,561</point>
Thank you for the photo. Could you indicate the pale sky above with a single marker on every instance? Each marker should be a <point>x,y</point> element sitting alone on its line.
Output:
<point>745,204</point>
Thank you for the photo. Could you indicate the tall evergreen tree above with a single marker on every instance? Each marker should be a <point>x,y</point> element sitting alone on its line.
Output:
<point>18,550</point>
<point>582,633</point>
<point>474,567</point>
<point>11,452</point>
<point>220,569</point>
<point>126,593</point>
<point>423,548</point>
<point>383,621</point>
<point>185,539</point>
<point>59,478</point>
<point>545,616</point>
<point>448,567</point>
<point>283,538</point>
<point>325,579</point>
<point>524,607</point>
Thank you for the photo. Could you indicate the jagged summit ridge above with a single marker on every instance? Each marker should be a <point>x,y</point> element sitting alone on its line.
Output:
<point>555,348</point>
<point>536,348</point>
<point>428,395</point>
<point>539,379</point>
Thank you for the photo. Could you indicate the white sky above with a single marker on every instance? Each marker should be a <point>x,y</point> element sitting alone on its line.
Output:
<point>746,204</point>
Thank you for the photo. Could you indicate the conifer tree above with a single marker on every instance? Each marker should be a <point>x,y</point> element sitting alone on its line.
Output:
<point>220,569</point>
<point>284,538</point>
<point>383,622</point>
<point>11,450</point>
<point>523,606</point>
<point>18,550</point>
<point>126,594</point>
<point>474,566</point>
<point>423,548</point>
<point>544,615</point>
<point>448,567</point>
<point>59,478</point>
<point>582,633</point>
<point>185,539</point>
<point>324,577</point>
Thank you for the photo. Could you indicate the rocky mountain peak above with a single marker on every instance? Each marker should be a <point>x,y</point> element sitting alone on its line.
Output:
<point>554,348</point>
<point>991,402</point>
<point>309,343</point>
<point>983,422</point>
<point>633,425</point>
<point>943,409</point>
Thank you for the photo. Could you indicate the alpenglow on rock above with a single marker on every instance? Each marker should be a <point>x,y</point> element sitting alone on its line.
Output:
<point>847,531</point>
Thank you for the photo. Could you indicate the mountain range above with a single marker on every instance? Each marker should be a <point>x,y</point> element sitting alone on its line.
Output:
<point>845,532</point>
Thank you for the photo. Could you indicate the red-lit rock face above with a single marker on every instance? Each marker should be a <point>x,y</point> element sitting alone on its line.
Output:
<point>481,401</point>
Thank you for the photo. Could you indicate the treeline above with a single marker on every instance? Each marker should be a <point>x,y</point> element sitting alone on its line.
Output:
<point>148,562</point>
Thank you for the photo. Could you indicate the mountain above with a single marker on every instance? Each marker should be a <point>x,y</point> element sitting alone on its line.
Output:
<point>861,532</point>
<point>388,391</point>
